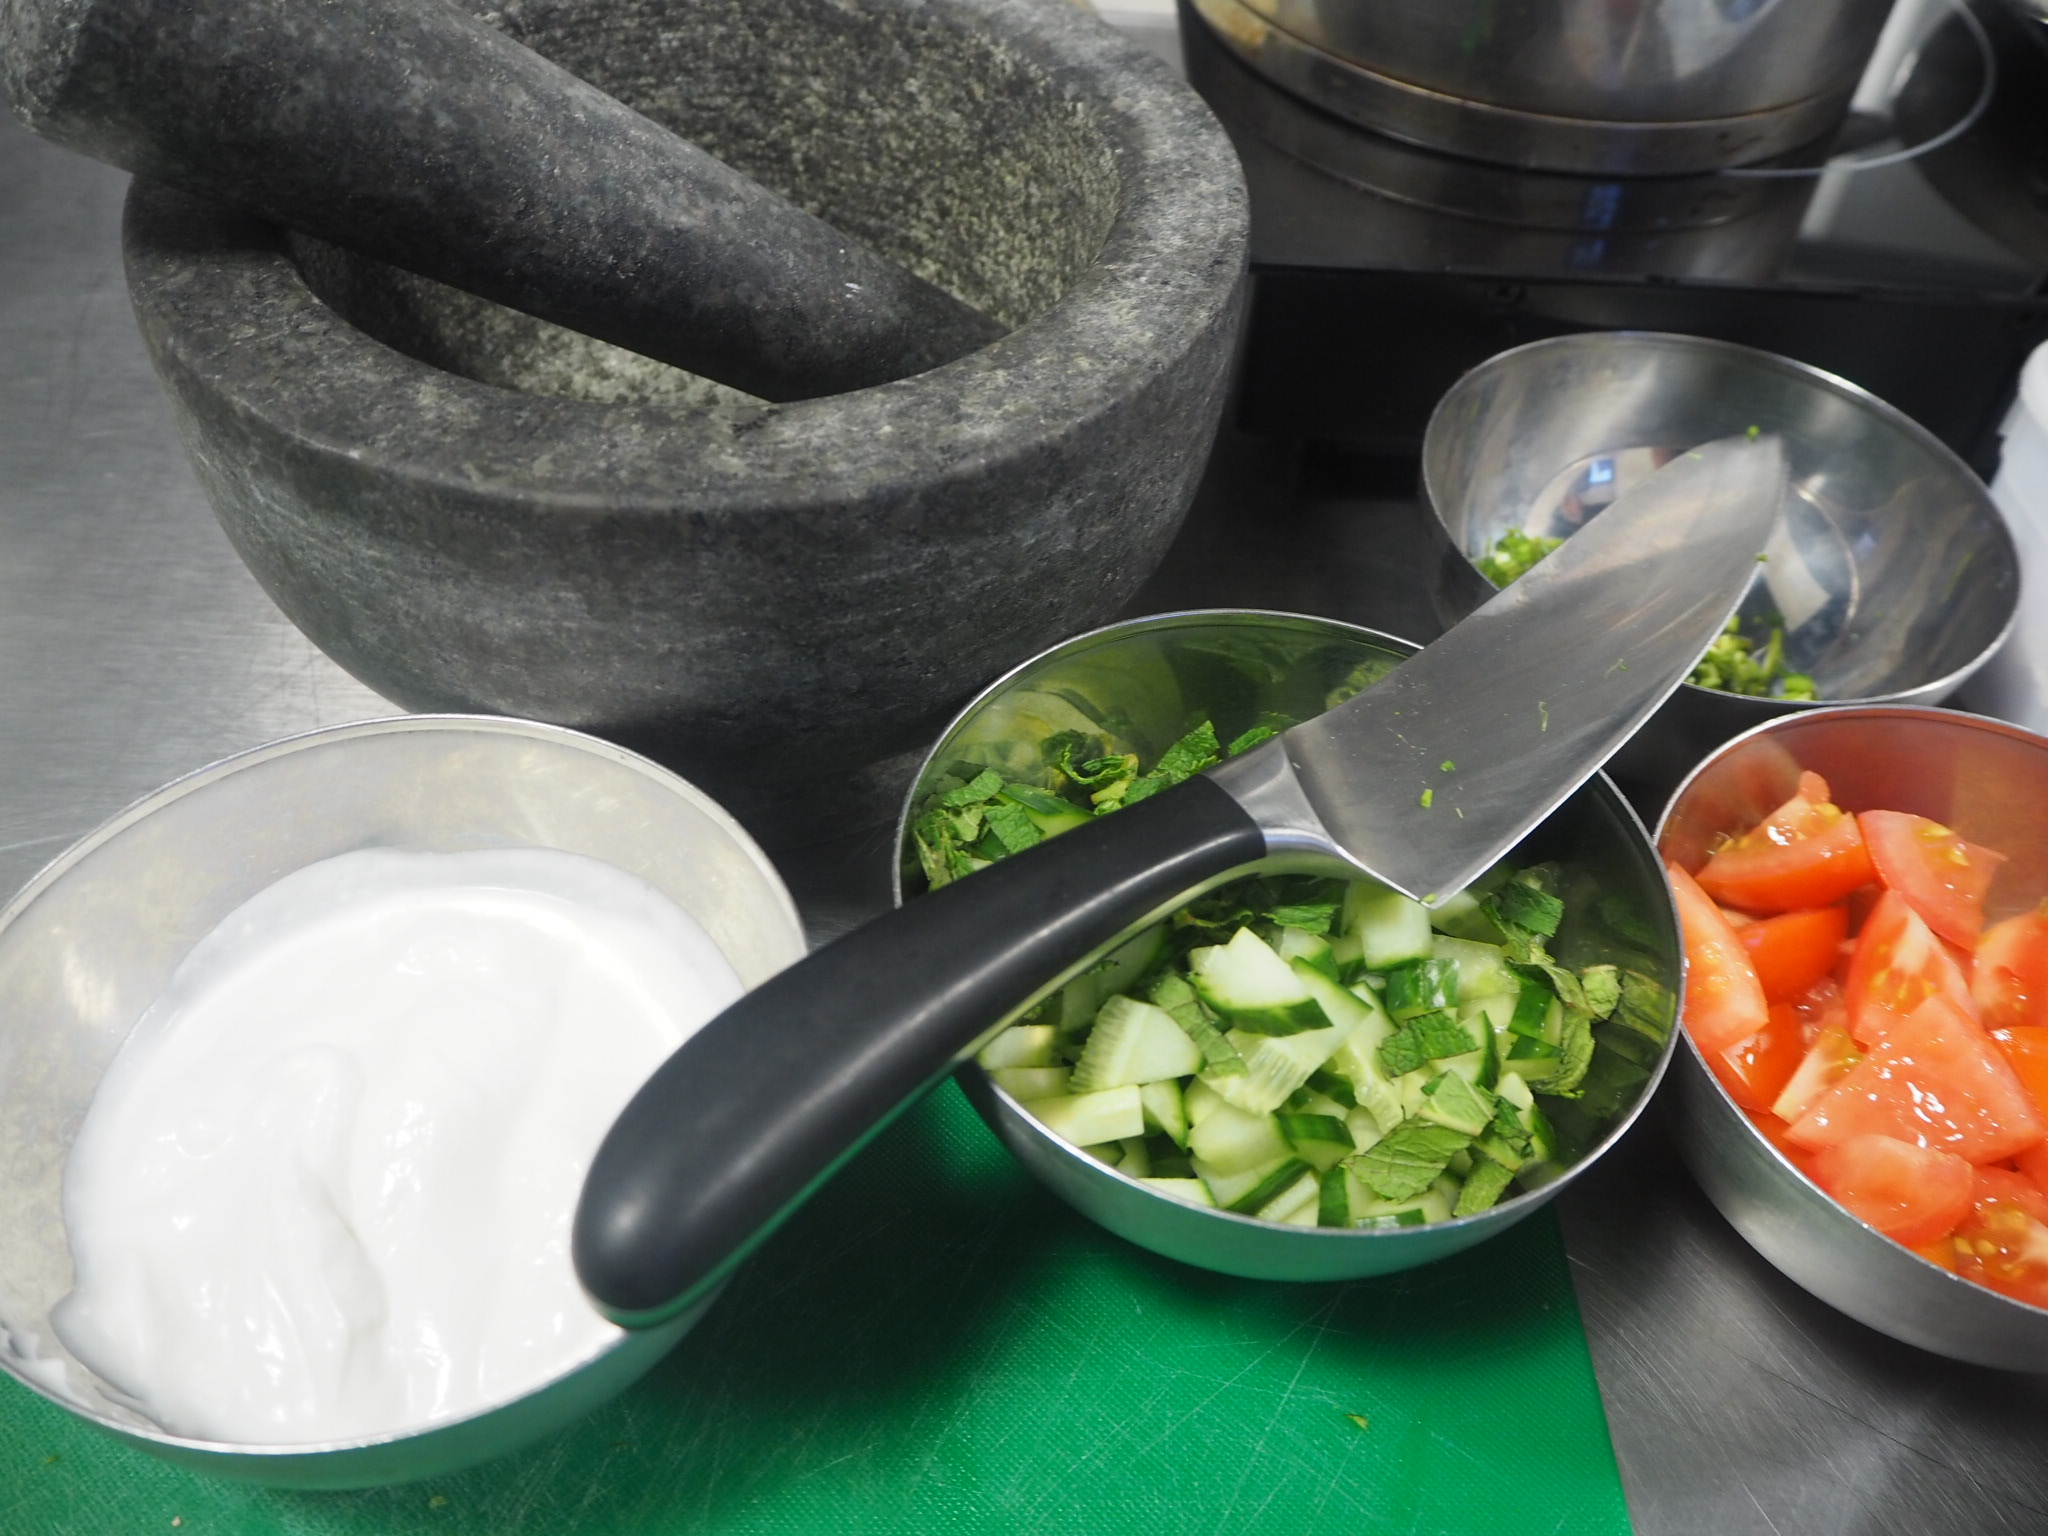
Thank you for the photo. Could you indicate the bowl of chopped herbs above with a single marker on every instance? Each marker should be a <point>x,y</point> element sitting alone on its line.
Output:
<point>1890,578</point>
<point>1289,1075</point>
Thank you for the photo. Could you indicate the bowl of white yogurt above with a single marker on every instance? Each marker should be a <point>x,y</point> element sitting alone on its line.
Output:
<point>303,1058</point>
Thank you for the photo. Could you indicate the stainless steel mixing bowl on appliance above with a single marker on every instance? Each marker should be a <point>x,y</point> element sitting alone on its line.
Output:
<point>1655,87</point>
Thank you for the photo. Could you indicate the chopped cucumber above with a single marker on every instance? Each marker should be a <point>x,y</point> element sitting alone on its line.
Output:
<point>1275,1066</point>
<point>1296,1204</point>
<point>1194,1191</point>
<point>1453,1102</point>
<point>1088,1119</point>
<point>1166,1111</point>
<point>1134,1042</point>
<point>1026,1083</point>
<point>1176,994</point>
<point>1198,1099</point>
<point>1416,987</point>
<point>1292,944</point>
<point>1310,1053</point>
<point>1118,971</point>
<point>1284,1180</point>
<point>1389,927</point>
<point>1022,1045</point>
<point>1323,1141</point>
<point>1231,1140</point>
<point>1252,987</point>
<point>1482,968</point>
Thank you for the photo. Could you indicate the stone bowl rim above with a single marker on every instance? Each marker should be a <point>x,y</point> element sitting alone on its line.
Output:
<point>214,280</point>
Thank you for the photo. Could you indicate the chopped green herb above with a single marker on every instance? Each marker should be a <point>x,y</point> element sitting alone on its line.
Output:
<point>1429,1037</point>
<point>1513,555</point>
<point>1408,1159</point>
<point>1427,796</point>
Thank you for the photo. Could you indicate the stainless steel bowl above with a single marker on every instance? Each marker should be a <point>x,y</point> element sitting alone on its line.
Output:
<point>1656,87</point>
<point>1894,573</point>
<point>92,939</point>
<point>1989,781</point>
<point>1151,679</point>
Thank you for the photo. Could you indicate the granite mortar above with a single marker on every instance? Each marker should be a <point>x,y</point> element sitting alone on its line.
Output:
<point>471,509</point>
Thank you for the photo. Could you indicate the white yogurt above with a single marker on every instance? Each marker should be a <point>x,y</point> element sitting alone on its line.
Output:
<point>325,1190</point>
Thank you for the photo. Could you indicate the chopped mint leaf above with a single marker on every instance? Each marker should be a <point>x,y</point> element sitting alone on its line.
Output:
<point>1013,828</point>
<point>1575,1055</point>
<point>1360,678</point>
<point>1408,1159</point>
<point>1507,1125</point>
<point>1602,987</point>
<point>1064,746</point>
<point>1313,917</point>
<point>1033,798</point>
<point>985,785</point>
<point>1190,755</point>
<point>1621,917</point>
<point>1430,1037</point>
<point>1258,735</point>
<point>1525,906</point>
<point>1646,1006</point>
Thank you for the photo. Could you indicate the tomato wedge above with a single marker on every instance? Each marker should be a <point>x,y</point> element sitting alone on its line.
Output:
<point>1897,966</point>
<point>1807,853</point>
<point>2010,979</point>
<point>1793,951</point>
<point>2003,1242</point>
<point>1942,875</point>
<point>2026,1047</point>
<point>1724,1006</point>
<point>1934,1079</point>
<point>1755,1071</point>
<point>1908,1192</point>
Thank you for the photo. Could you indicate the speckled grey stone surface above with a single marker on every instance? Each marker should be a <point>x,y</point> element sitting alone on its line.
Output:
<point>478,512</point>
<point>415,133</point>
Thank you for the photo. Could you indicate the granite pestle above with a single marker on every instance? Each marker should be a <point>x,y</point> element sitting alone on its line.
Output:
<point>414,133</point>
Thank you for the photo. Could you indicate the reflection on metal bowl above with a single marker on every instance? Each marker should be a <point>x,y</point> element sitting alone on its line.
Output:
<point>1892,575</point>
<point>1700,225</point>
<point>1657,87</point>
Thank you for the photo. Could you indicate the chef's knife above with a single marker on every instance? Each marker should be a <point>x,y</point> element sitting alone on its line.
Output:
<point>1422,781</point>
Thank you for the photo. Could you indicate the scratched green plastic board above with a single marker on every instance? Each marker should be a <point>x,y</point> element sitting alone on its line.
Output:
<point>934,1345</point>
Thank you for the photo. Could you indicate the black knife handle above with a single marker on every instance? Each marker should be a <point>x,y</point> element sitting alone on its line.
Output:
<point>757,1108</point>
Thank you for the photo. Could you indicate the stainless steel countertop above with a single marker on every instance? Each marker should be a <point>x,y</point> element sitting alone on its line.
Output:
<point>135,647</point>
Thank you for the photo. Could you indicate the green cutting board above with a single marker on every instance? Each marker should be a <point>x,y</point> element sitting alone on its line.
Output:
<point>935,1345</point>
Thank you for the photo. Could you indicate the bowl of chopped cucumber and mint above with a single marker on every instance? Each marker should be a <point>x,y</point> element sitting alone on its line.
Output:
<point>1891,577</point>
<point>1292,1075</point>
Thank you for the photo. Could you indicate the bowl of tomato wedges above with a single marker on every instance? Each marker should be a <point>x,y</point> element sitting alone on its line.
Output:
<point>1864,1092</point>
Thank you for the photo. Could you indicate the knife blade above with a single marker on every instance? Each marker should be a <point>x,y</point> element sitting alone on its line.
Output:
<point>759,1107</point>
<point>1429,777</point>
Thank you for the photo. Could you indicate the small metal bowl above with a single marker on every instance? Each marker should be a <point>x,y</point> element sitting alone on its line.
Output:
<point>1892,571</point>
<point>90,942</point>
<point>1989,781</point>
<point>1149,680</point>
